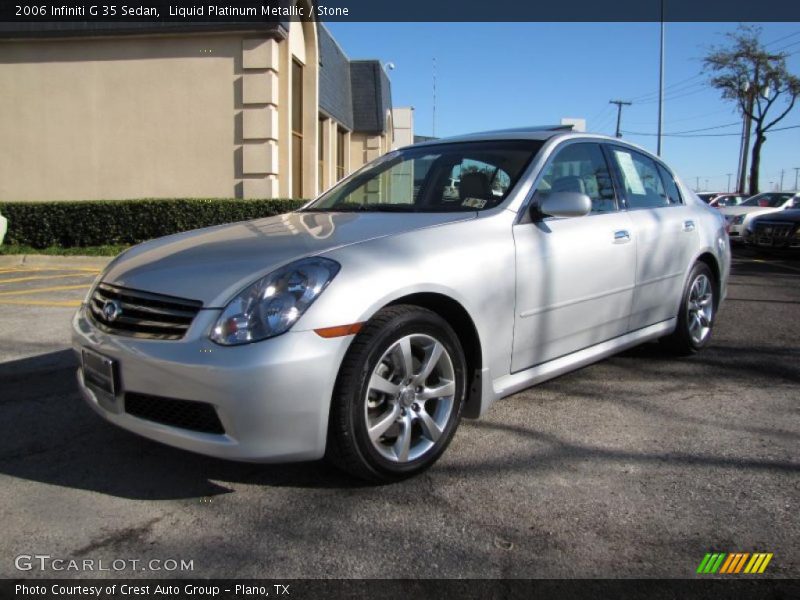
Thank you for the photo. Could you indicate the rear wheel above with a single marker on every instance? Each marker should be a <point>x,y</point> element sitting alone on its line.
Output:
<point>697,313</point>
<point>399,396</point>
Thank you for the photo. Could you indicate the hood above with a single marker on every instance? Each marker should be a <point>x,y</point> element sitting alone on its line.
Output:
<point>744,210</point>
<point>791,215</point>
<point>213,264</point>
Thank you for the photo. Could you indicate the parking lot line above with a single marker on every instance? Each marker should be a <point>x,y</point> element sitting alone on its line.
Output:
<point>16,270</point>
<point>43,277</point>
<point>779,265</point>
<point>47,303</point>
<point>56,288</point>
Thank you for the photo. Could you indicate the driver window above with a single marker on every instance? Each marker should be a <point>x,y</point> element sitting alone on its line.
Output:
<point>580,168</point>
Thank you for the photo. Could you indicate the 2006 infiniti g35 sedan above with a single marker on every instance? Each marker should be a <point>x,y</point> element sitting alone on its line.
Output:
<point>420,289</point>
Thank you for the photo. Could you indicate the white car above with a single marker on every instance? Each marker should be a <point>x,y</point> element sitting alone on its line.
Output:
<point>737,217</point>
<point>3,227</point>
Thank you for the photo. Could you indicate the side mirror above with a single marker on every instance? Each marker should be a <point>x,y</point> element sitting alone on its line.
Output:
<point>565,204</point>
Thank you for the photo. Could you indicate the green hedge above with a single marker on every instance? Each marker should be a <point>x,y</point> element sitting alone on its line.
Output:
<point>104,222</point>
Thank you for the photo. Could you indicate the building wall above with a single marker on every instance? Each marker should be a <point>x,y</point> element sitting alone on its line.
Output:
<point>122,118</point>
<point>403,122</point>
<point>166,116</point>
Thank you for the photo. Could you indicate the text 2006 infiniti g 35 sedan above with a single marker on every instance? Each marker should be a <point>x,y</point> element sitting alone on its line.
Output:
<point>420,289</point>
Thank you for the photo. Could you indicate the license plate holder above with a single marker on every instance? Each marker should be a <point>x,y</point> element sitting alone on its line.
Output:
<point>101,376</point>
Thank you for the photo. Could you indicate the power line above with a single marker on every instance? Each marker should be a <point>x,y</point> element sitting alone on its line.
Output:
<point>706,134</point>
<point>703,128</point>
<point>780,39</point>
<point>676,97</point>
<point>668,87</point>
<point>674,90</point>
<point>692,118</point>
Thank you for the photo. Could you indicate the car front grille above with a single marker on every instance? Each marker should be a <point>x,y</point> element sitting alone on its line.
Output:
<point>775,234</point>
<point>141,314</point>
<point>184,414</point>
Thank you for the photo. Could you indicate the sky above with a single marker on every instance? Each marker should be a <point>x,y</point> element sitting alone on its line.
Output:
<point>501,75</point>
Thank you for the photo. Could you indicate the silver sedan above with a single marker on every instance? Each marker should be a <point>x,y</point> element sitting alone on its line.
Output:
<point>363,326</point>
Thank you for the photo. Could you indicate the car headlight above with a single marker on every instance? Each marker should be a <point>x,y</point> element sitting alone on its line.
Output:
<point>738,219</point>
<point>271,305</point>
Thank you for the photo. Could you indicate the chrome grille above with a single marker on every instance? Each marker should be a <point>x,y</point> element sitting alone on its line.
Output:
<point>142,314</point>
<point>773,233</point>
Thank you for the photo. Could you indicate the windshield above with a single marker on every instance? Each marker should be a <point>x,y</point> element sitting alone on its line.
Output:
<point>466,176</point>
<point>767,200</point>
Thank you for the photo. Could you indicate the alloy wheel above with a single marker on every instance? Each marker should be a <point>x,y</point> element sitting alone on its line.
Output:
<point>700,309</point>
<point>410,398</point>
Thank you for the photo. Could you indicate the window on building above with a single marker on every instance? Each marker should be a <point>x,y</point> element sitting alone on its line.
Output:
<point>340,142</point>
<point>321,153</point>
<point>297,129</point>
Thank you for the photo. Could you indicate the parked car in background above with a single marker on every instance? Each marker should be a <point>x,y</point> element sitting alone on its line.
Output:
<point>3,227</point>
<point>778,231</point>
<point>738,217</point>
<point>259,341</point>
<point>707,197</point>
<point>723,200</point>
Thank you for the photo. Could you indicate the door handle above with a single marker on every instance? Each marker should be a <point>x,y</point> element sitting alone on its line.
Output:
<point>688,226</point>
<point>622,237</point>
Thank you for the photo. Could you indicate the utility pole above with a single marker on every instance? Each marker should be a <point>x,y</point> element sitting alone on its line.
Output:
<point>782,171</point>
<point>796,171</point>
<point>620,104</point>
<point>706,184</point>
<point>729,181</point>
<point>697,184</point>
<point>660,84</point>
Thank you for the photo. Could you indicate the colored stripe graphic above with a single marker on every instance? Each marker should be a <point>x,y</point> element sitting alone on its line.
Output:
<point>718,563</point>
<point>727,564</point>
<point>740,564</point>
<point>764,564</point>
<point>703,563</point>
<point>734,563</point>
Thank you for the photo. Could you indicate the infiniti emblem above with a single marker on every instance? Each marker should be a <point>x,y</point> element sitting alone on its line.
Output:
<point>111,310</point>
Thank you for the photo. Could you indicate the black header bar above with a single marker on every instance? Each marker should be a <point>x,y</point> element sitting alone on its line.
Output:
<point>248,11</point>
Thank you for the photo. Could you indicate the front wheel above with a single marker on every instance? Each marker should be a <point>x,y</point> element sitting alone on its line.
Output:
<point>697,313</point>
<point>399,395</point>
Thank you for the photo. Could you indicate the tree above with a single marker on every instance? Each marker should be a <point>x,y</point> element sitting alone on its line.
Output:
<point>758,81</point>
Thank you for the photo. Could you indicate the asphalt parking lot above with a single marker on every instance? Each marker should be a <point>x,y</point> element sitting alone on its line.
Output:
<point>633,467</point>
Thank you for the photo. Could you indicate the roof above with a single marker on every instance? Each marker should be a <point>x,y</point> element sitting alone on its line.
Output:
<point>521,133</point>
<point>335,90</point>
<point>372,96</point>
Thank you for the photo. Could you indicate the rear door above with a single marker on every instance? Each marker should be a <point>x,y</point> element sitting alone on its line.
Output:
<point>665,231</point>
<point>575,275</point>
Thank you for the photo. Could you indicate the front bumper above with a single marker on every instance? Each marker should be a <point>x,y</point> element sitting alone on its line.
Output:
<point>272,397</point>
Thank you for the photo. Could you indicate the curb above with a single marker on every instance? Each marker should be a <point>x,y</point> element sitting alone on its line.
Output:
<point>54,262</point>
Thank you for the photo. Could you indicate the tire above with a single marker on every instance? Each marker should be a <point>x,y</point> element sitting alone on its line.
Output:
<point>697,313</point>
<point>387,424</point>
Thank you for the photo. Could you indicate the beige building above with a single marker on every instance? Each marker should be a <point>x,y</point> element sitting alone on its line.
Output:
<point>169,110</point>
